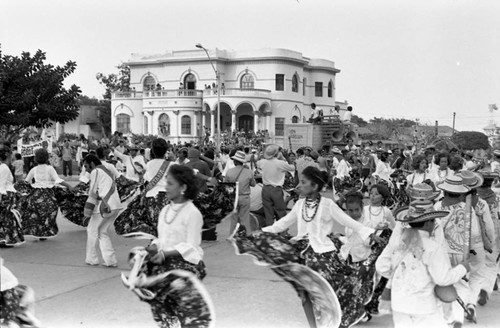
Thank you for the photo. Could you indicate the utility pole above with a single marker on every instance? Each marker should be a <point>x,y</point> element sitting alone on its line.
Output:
<point>454,114</point>
<point>437,129</point>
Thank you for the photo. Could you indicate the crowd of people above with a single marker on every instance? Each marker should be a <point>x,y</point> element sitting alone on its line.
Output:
<point>419,225</point>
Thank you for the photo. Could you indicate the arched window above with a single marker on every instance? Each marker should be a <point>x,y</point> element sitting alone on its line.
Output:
<point>330,89</point>
<point>190,82</point>
<point>164,125</point>
<point>304,82</point>
<point>123,123</point>
<point>186,125</point>
<point>295,119</point>
<point>149,83</point>
<point>247,81</point>
<point>295,83</point>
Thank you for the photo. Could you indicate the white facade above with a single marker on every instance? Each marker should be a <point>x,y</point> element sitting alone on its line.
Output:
<point>252,97</point>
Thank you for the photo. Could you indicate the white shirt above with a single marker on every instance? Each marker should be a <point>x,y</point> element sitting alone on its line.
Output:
<point>45,176</point>
<point>437,175</point>
<point>131,167</point>
<point>273,171</point>
<point>181,231</point>
<point>85,176</point>
<point>495,166</point>
<point>229,165</point>
<point>6,179</point>
<point>8,280</point>
<point>383,171</point>
<point>415,275</point>
<point>320,226</point>
<point>347,116</point>
<point>100,183</point>
<point>152,168</point>
<point>415,178</point>
<point>343,169</point>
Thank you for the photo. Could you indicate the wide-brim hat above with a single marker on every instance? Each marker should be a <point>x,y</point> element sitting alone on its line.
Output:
<point>454,184</point>
<point>335,150</point>
<point>271,151</point>
<point>406,153</point>
<point>239,156</point>
<point>471,179</point>
<point>469,153</point>
<point>496,152</point>
<point>430,147</point>
<point>422,191</point>
<point>134,147</point>
<point>488,175</point>
<point>420,211</point>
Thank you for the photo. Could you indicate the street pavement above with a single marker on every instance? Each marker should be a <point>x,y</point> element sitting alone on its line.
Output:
<point>71,294</point>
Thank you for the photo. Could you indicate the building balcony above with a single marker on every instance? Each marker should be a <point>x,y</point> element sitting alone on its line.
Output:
<point>178,93</point>
<point>240,93</point>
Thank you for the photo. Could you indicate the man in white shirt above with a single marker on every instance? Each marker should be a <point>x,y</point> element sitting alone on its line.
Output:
<point>316,114</point>
<point>134,163</point>
<point>273,168</point>
<point>348,115</point>
<point>101,209</point>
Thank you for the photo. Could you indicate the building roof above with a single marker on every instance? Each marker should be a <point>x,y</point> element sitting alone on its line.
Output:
<point>233,56</point>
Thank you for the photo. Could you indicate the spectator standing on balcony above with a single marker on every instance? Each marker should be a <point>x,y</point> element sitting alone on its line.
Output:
<point>348,115</point>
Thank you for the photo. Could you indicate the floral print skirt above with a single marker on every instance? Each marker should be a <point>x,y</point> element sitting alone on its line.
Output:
<point>126,188</point>
<point>216,203</point>
<point>39,213</point>
<point>16,306</point>
<point>175,293</point>
<point>352,284</point>
<point>11,231</point>
<point>141,215</point>
<point>72,203</point>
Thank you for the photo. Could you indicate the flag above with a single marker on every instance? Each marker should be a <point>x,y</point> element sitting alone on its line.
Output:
<point>492,107</point>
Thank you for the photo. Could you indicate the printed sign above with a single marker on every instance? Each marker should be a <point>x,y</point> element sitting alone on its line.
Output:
<point>29,150</point>
<point>297,135</point>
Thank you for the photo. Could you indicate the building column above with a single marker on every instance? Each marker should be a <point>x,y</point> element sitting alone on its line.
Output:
<point>177,125</point>
<point>233,120</point>
<point>203,119</point>
<point>255,121</point>
<point>212,124</point>
<point>268,122</point>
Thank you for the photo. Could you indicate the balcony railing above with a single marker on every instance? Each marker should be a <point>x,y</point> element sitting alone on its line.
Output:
<point>158,94</point>
<point>235,92</point>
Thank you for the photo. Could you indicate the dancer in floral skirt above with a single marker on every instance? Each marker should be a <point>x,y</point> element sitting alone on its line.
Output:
<point>40,208</point>
<point>11,232</point>
<point>166,274</point>
<point>315,217</point>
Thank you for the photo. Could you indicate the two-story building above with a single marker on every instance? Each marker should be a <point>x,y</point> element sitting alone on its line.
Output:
<point>175,94</point>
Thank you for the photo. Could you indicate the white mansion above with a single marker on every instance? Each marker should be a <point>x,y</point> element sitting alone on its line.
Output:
<point>175,94</point>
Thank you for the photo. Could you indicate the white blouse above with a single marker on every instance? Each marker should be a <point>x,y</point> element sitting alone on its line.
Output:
<point>179,228</point>
<point>6,179</point>
<point>384,171</point>
<point>320,226</point>
<point>45,176</point>
<point>415,178</point>
<point>152,168</point>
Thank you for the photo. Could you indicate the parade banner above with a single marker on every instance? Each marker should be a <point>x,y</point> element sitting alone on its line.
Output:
<point>298,135</point>
<point>29,150</point>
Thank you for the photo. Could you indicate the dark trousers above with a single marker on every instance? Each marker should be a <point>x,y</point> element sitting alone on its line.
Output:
<point>29,162</point>
<point>67,165</point>
<point>273,202</point>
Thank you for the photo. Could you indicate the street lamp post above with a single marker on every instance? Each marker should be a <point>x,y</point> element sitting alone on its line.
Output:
<point>217,78</point>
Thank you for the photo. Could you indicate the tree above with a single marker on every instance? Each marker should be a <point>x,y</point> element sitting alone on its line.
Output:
<point>32,93</point>
<point>471,140</point>
<point>359,121</point>
<point>112,83</point>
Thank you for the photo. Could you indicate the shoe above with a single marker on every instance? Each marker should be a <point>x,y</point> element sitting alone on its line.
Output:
<point>91,264</point>
<point>471,315</point>
<point>367,317</point>
<point>42,239</point>
<point>110,266</point>
<point>495,288</point>
<point>456,325</point>
<point>483,297</point>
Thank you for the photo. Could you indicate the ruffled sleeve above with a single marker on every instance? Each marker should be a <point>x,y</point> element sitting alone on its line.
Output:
<point>190,249</point>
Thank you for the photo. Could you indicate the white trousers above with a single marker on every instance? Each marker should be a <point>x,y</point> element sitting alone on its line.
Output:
<point>404,320</point>
<point>478,273</point>
<point>98,232</point>
<point>453,311</point>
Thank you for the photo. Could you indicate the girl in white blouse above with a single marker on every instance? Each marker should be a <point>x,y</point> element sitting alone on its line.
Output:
<point>420,174</point>
<point>178,247</point>
<point>40,210</point>
<point>316,217</point>
<point>441,170</point>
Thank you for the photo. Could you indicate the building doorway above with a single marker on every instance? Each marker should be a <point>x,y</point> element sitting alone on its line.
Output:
<point>245,122</point>
<point>190,82</point>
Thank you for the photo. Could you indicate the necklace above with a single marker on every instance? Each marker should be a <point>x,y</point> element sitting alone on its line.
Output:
<point>442,177</point>
<point>176,212</point>
<point>310,205</point>
<point>375,214</point>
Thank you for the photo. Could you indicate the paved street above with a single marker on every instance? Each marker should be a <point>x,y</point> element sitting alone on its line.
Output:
<point>72,294</point>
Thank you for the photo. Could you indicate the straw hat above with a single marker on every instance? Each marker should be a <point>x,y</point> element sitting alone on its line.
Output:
<point>496,152</point>
<point>271,151</point>
<point>454,184</point>
<point>471,179</point>
<point>239,156</point>
<point>420,211</point>
<point>422,191</point>
<point>337,151</point>
<point>406,153</point>
<point>488,175</point>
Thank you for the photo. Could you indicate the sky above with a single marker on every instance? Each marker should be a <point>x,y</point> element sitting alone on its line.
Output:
<point>398,59</point>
